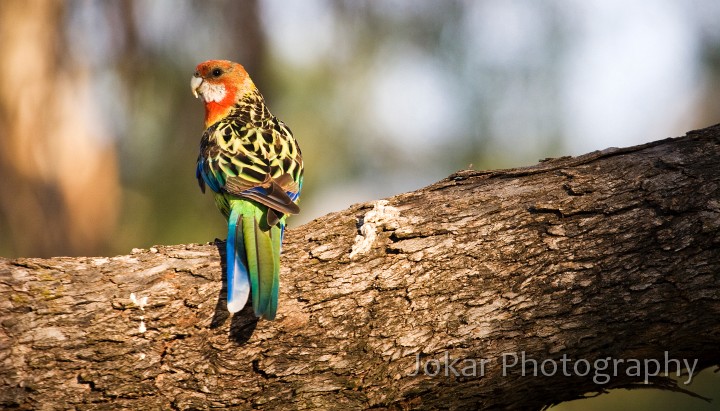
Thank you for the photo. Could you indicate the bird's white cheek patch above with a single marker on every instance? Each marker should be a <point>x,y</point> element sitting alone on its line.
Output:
<point>212,92</point>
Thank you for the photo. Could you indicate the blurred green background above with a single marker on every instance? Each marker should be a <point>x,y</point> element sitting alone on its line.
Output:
<point>99,132</point>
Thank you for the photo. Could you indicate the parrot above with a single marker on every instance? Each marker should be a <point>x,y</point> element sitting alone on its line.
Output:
<point>253,165</point>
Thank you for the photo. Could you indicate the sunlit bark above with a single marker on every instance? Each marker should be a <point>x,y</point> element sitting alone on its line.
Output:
<point>614,254</point>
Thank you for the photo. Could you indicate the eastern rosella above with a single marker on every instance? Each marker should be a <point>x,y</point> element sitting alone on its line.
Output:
<point>252,163</point>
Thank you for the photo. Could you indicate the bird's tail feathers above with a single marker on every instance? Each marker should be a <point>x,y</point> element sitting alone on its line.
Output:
<point>257,250</point>
<point>238,285</point>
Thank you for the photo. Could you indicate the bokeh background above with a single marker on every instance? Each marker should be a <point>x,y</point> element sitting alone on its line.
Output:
<point>99,132</point>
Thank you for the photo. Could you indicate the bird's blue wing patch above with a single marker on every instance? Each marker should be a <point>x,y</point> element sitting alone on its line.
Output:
<point>205,175</point>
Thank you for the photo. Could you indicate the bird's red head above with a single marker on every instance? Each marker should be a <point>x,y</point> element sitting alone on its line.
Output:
<point>220,84</point>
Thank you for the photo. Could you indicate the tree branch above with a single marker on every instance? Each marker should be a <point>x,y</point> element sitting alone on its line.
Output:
<point>610,255</point>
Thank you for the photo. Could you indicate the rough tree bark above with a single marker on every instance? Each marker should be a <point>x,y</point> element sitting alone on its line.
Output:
<point>610,254</point>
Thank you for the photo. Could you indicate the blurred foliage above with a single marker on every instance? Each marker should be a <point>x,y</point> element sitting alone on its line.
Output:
<point>60,185</point>
<point>99,131</point>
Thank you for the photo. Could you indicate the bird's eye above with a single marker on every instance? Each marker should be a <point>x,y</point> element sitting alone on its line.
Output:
<point>216,72</point>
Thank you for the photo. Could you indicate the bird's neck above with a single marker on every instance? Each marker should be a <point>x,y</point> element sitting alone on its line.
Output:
<point>228,100</point>
<point>250,108</point>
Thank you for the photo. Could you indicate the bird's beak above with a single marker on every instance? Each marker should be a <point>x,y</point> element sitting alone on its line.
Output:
<point>195,84</point>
